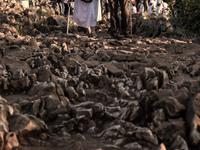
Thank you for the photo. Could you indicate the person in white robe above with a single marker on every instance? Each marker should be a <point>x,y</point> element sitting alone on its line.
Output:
<point>87,14</point>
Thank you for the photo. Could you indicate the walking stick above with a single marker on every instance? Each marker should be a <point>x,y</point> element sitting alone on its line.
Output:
<point>68,15</point>
<point>130,14</point>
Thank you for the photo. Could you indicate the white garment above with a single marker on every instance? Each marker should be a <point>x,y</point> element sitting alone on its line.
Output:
<point>150,9</point>
<point>134,10</point>
<point>158,10</point>
<point>165,6</point>
<point>65,1</point>
<point>141,10</point>
<point>153,2</point>
<point>87,14</point>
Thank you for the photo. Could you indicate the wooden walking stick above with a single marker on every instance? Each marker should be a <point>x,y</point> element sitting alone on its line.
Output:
<point>68,15</point>
<point>130,15</point>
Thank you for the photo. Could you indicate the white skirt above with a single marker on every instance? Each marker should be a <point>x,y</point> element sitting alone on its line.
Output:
<point>87,14</point>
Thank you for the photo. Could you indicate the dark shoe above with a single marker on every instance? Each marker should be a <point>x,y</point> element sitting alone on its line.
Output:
<point>116,36</point>
<point>126,35</point>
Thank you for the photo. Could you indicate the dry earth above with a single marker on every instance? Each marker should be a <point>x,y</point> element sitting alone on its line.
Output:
<point>73,92</point>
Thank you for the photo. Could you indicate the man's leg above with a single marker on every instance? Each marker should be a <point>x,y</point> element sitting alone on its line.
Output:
<point>114,20</point>
<point>125,16</point>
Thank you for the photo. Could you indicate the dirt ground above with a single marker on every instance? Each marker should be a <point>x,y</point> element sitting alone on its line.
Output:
<point>101,93</point>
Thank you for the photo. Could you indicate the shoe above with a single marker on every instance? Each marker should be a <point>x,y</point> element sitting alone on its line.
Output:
<point>116,36</point>
<point>126,35</point>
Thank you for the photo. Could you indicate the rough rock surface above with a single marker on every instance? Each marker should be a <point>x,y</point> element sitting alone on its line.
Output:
<point>71,91</point>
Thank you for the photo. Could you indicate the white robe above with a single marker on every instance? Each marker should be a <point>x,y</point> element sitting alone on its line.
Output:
<point>87,14</point>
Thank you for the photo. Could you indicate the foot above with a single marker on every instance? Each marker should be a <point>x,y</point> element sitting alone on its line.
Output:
<point>126,35</point>
<point>116,36</point>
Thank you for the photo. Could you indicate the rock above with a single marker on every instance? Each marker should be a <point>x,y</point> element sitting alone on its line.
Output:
<point>147,74</point>
<point>162,76</point>
<point>22,83</point>
<point>113,69</point>
<point>33,43</point>
<point>113,147</point>
<point>168,130</point>
<point>56,21</point>
<point>85,112</point>
<point>162,147</point>
<point>133,146</point>
<point>143,135</point>
<point>158,117</point>
<point>112,132</point>
<point>182,95</point>
<point>80,124</point>
<point>24,124</point>
<point>18,74</point>
<point>79,137</point>
<point>179,143</point>
<point>171,105</point>
<point>152,84</point>
<point>123,92</point>
<point>71,92</point>
<point>44,74</point>
<point>4,110</point>
<point>11,141</point>
<point>139,83</point>
<point>3,18</point>
<point>195,70</point>
<point>192,120</point>
<point>43,89</point>
<point>51,104</point>
<point>56,48</point>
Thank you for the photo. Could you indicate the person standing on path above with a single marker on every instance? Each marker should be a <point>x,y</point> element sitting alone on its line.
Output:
<point>86,15</point>
<point>114,20</point>
<point>61,6</point>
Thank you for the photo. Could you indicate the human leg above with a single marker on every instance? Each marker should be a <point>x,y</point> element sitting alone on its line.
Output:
<point>114,20</point>
<point>125,17</point>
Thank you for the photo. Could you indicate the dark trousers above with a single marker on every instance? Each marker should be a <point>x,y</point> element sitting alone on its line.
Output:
<point>115,24</point>
<point>66,8</point>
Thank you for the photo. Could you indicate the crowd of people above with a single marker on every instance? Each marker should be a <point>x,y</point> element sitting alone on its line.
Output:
<point>86,13</point>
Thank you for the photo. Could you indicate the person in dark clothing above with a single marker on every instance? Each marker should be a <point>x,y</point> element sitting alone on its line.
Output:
<point>60,4</point>
<point>115,23</point>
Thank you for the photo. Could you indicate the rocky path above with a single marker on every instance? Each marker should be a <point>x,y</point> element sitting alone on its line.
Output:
<point>62,91</point>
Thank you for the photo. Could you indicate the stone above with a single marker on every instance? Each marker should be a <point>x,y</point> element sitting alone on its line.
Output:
<point>88,113</point>
<point>179,143</point>
<point>24,124</point>
<point>152,84</point>
<point>162,76</point>
<point>44,74</point>
<point>139,83</point>
<point>11,141</point>
<point>162,147</point>
<point>171,106</point>
<point>18,74</point>
<point>56,48</point>
<point>56,20</point>
<point>33,43</point>
<point>194,135</point>
<point>143,135</point>
<point>193,120</point>
<point>71,92</point>
<point>133,146</point>
<point>43,89</point>
<point>147,74</point>
<point>158,116</point>
<point>182,95</point>
<point>123,92</point>
<point>112,132</point>
<point>22,83</point>
<point>113,69</point>
<point>168,130</point>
